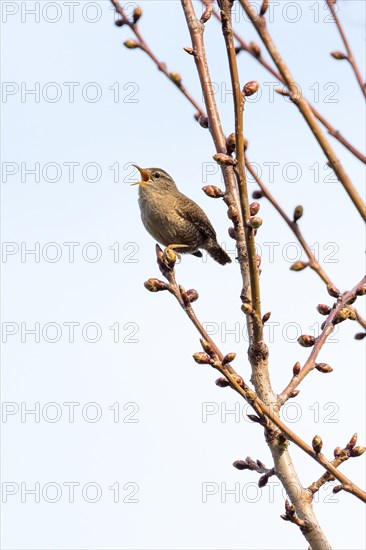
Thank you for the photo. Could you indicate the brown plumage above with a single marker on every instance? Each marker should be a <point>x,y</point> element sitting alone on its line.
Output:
<point>174,219</point>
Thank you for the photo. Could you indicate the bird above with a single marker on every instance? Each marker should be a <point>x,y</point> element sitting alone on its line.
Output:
<point>173,219</point>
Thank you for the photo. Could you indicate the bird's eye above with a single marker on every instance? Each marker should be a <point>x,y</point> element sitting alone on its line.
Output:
<point>157,175</point>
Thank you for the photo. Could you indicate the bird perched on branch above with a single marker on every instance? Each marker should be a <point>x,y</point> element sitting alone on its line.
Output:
<point>173,219</point>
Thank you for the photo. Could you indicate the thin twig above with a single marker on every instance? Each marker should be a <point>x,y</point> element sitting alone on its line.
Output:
<point>350,58</point>
<point>320,340</point>
<point>173,77</point>
<point>303,106</point>
<point>294,226</point>
<point>255,53</point>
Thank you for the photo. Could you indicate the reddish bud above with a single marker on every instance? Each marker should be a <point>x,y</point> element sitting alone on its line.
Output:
<point>228,358</point>
<point>257,194</point>
<point>254,49</point>
<point>317,443</point>
<point>176,78</point>
<point>203,121</point>
<point>262,481</point>
<point>299,266</point>
<point>192,295</point>
<point>224,160</point>
<point>131,44</point>
<point>360,335</point>
<point>190,51</point>
<point>230,143</point>
<point>137,12</point>
<point>337,489</point>
<point>254,418</point>
<point>154,285</point>
<point>352,442</point>
<point>306,340</point>
<point>255,222</point>
<point>337,452</point>
<point>251,88</point>
<point>202,358</point>
<point>254,208</point>
<point>298,212</point>
<point>357,451</point>
<point>333,291</point>
<point>207,13</point>
<point>266,316</point>
<point>323,309</point>
<point>119,23</point>
<point>213,191</point>
<point>361,291</point>
<point>338,55</point>
<point>240,465</point>
<point>232,232</point>
<point>233,214</point>
<point>296,369</point>
<point>294,393</point>
<point>323,367</point>
<point>222,382</point>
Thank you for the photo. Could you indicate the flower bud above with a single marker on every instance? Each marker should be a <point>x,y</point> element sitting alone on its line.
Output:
<point>240,465</point>
<point>233,214</point>
<point>119,23</point>
<point>222,382</point>
<point>190,51</point>
<point>333,291</point>
<point>169,258</point>
<point>317,443</point>
<point>344,314</point>
<point>255,222</point>
<point>131,44</point>
<point>294,393</point>
<point>192,295</point>
<point>265,317</point>
<point>224,160</point>
<point>137,12</point>
<point>338,55</point>
<point>282,91</point>
<point>323,367</point>
<point>337,489</point>
<point>247,309</point>
<point>257,194</point>
<point>154,285</point>
<point>203,121</point>
<point>352,442</point>
<point>250,88</point>
<point>213,191</point>
<point>230,143</point>
<point>228,358</point>
<point>202,358</point>
<point>306,340</point>
<point>254,49</point>
<point>338,451</point>
<point>238,379</point>
<point>360,335</point>
<point>176,78</point>
<point>299,266</point>
<point>298,212</point>
<point>323,309</point>
<point>357,451</point>
<point>254,208</point>
<point>296,369</point>
<point>232,232</point>
<point>262,481</point>
<point>206,346</point>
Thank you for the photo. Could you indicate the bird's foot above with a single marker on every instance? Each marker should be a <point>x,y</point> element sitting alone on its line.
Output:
<point>171,256</point>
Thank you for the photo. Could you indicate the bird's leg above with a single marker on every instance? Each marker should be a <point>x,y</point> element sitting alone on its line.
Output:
<point>174,247</point>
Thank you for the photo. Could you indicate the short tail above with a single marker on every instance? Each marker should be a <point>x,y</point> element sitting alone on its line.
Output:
<point>217,253</point>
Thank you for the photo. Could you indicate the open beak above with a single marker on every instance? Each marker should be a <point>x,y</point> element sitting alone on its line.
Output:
<point>144,176</point>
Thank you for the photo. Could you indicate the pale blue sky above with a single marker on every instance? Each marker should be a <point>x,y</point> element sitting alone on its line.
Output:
<point>182,444</point>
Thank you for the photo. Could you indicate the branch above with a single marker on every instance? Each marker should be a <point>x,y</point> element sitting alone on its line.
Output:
<point>276,439</point>
<point>349,56</point>
<point>174,77</point>
<point>260,25</point>
<point>254,50</point>
<point>338,313</point>
<point>293,225</point>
